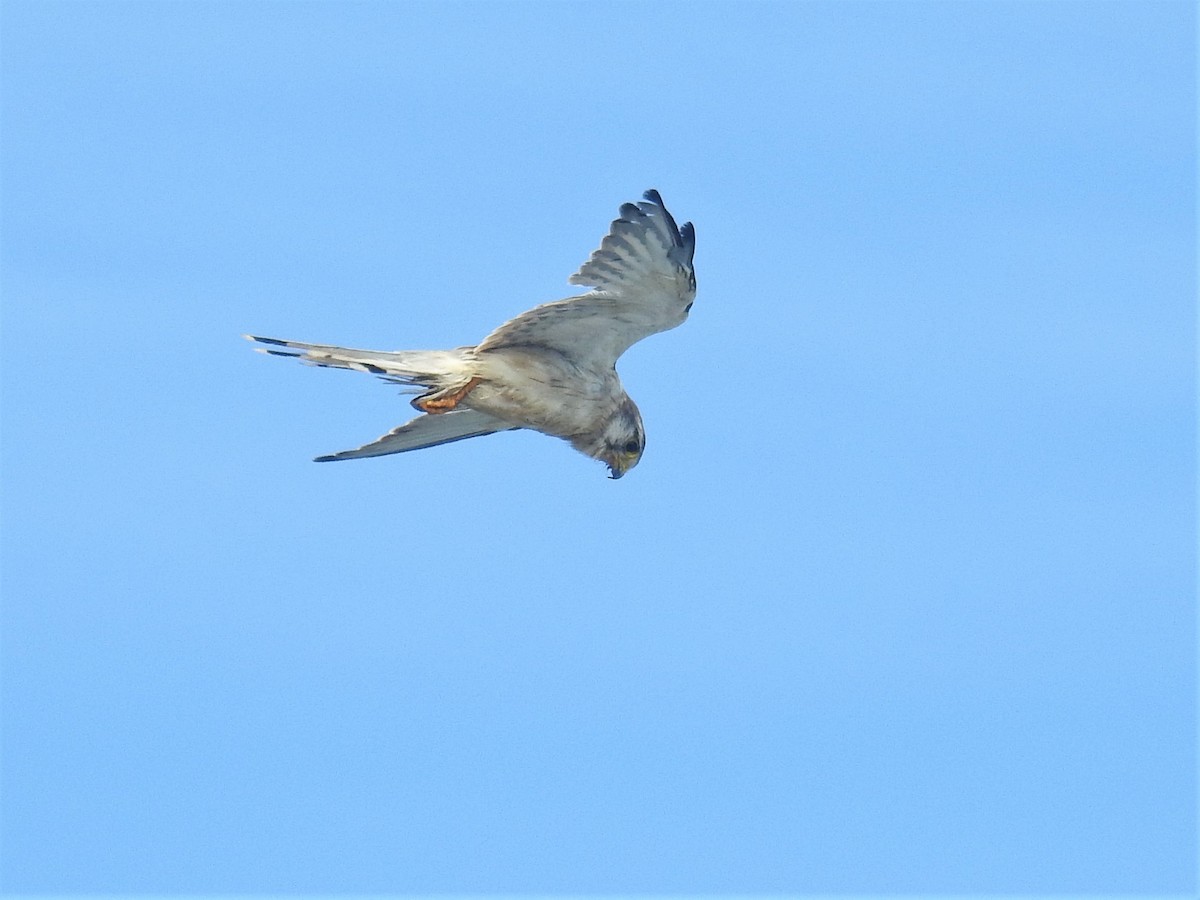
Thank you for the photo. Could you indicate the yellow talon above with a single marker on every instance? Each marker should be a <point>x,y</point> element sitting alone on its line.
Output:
<point>441,402</point>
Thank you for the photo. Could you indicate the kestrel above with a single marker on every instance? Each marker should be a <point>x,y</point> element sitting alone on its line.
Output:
<point>551,369</point>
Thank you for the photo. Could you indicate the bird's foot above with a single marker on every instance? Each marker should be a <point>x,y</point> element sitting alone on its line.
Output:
<point>444,401</point>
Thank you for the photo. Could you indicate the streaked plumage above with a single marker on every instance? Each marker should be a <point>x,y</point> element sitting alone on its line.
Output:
<point>551,369</point>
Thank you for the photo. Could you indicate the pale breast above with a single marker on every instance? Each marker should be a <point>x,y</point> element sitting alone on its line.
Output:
<point>542,390</point>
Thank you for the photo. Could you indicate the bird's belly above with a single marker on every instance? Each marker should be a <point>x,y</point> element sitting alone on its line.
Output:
<point>542,390</point>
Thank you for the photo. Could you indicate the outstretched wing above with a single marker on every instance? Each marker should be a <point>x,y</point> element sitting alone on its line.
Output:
<point>643,282</point>
<point>427,431</point>
<point>642,251</point>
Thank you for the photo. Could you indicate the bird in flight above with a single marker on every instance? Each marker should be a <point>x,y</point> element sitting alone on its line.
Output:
<point>551,369</point>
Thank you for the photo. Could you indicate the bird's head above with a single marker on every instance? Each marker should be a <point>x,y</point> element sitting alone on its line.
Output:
<point>619,442</point>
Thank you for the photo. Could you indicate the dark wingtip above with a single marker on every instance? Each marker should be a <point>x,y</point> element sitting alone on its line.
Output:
<point>265,340</point>
<point>330,458</point>
<point>655,197</point>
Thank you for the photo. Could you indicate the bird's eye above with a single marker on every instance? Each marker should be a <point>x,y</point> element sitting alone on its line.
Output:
<point>632,448</point>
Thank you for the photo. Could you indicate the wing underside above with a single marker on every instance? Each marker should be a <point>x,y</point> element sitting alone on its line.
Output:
<point>426,431</point>
<point>643,283</point>
<point>642,244</point>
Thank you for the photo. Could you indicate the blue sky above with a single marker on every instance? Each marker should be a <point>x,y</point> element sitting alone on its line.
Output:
<point>900,599</point>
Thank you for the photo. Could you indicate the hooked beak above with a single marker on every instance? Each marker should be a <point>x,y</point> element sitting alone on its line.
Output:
<point>617,466</point>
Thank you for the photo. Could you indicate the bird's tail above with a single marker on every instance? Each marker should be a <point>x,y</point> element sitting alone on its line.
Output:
<point>436,369</point>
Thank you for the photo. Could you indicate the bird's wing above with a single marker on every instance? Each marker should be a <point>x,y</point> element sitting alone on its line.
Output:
<point>427,431</point>
<point>643,283</point>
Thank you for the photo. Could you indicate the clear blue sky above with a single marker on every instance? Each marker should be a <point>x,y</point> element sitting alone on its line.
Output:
<point>900,599</point>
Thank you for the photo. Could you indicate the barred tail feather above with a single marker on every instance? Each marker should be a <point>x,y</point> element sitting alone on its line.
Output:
<point>428,367</point>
